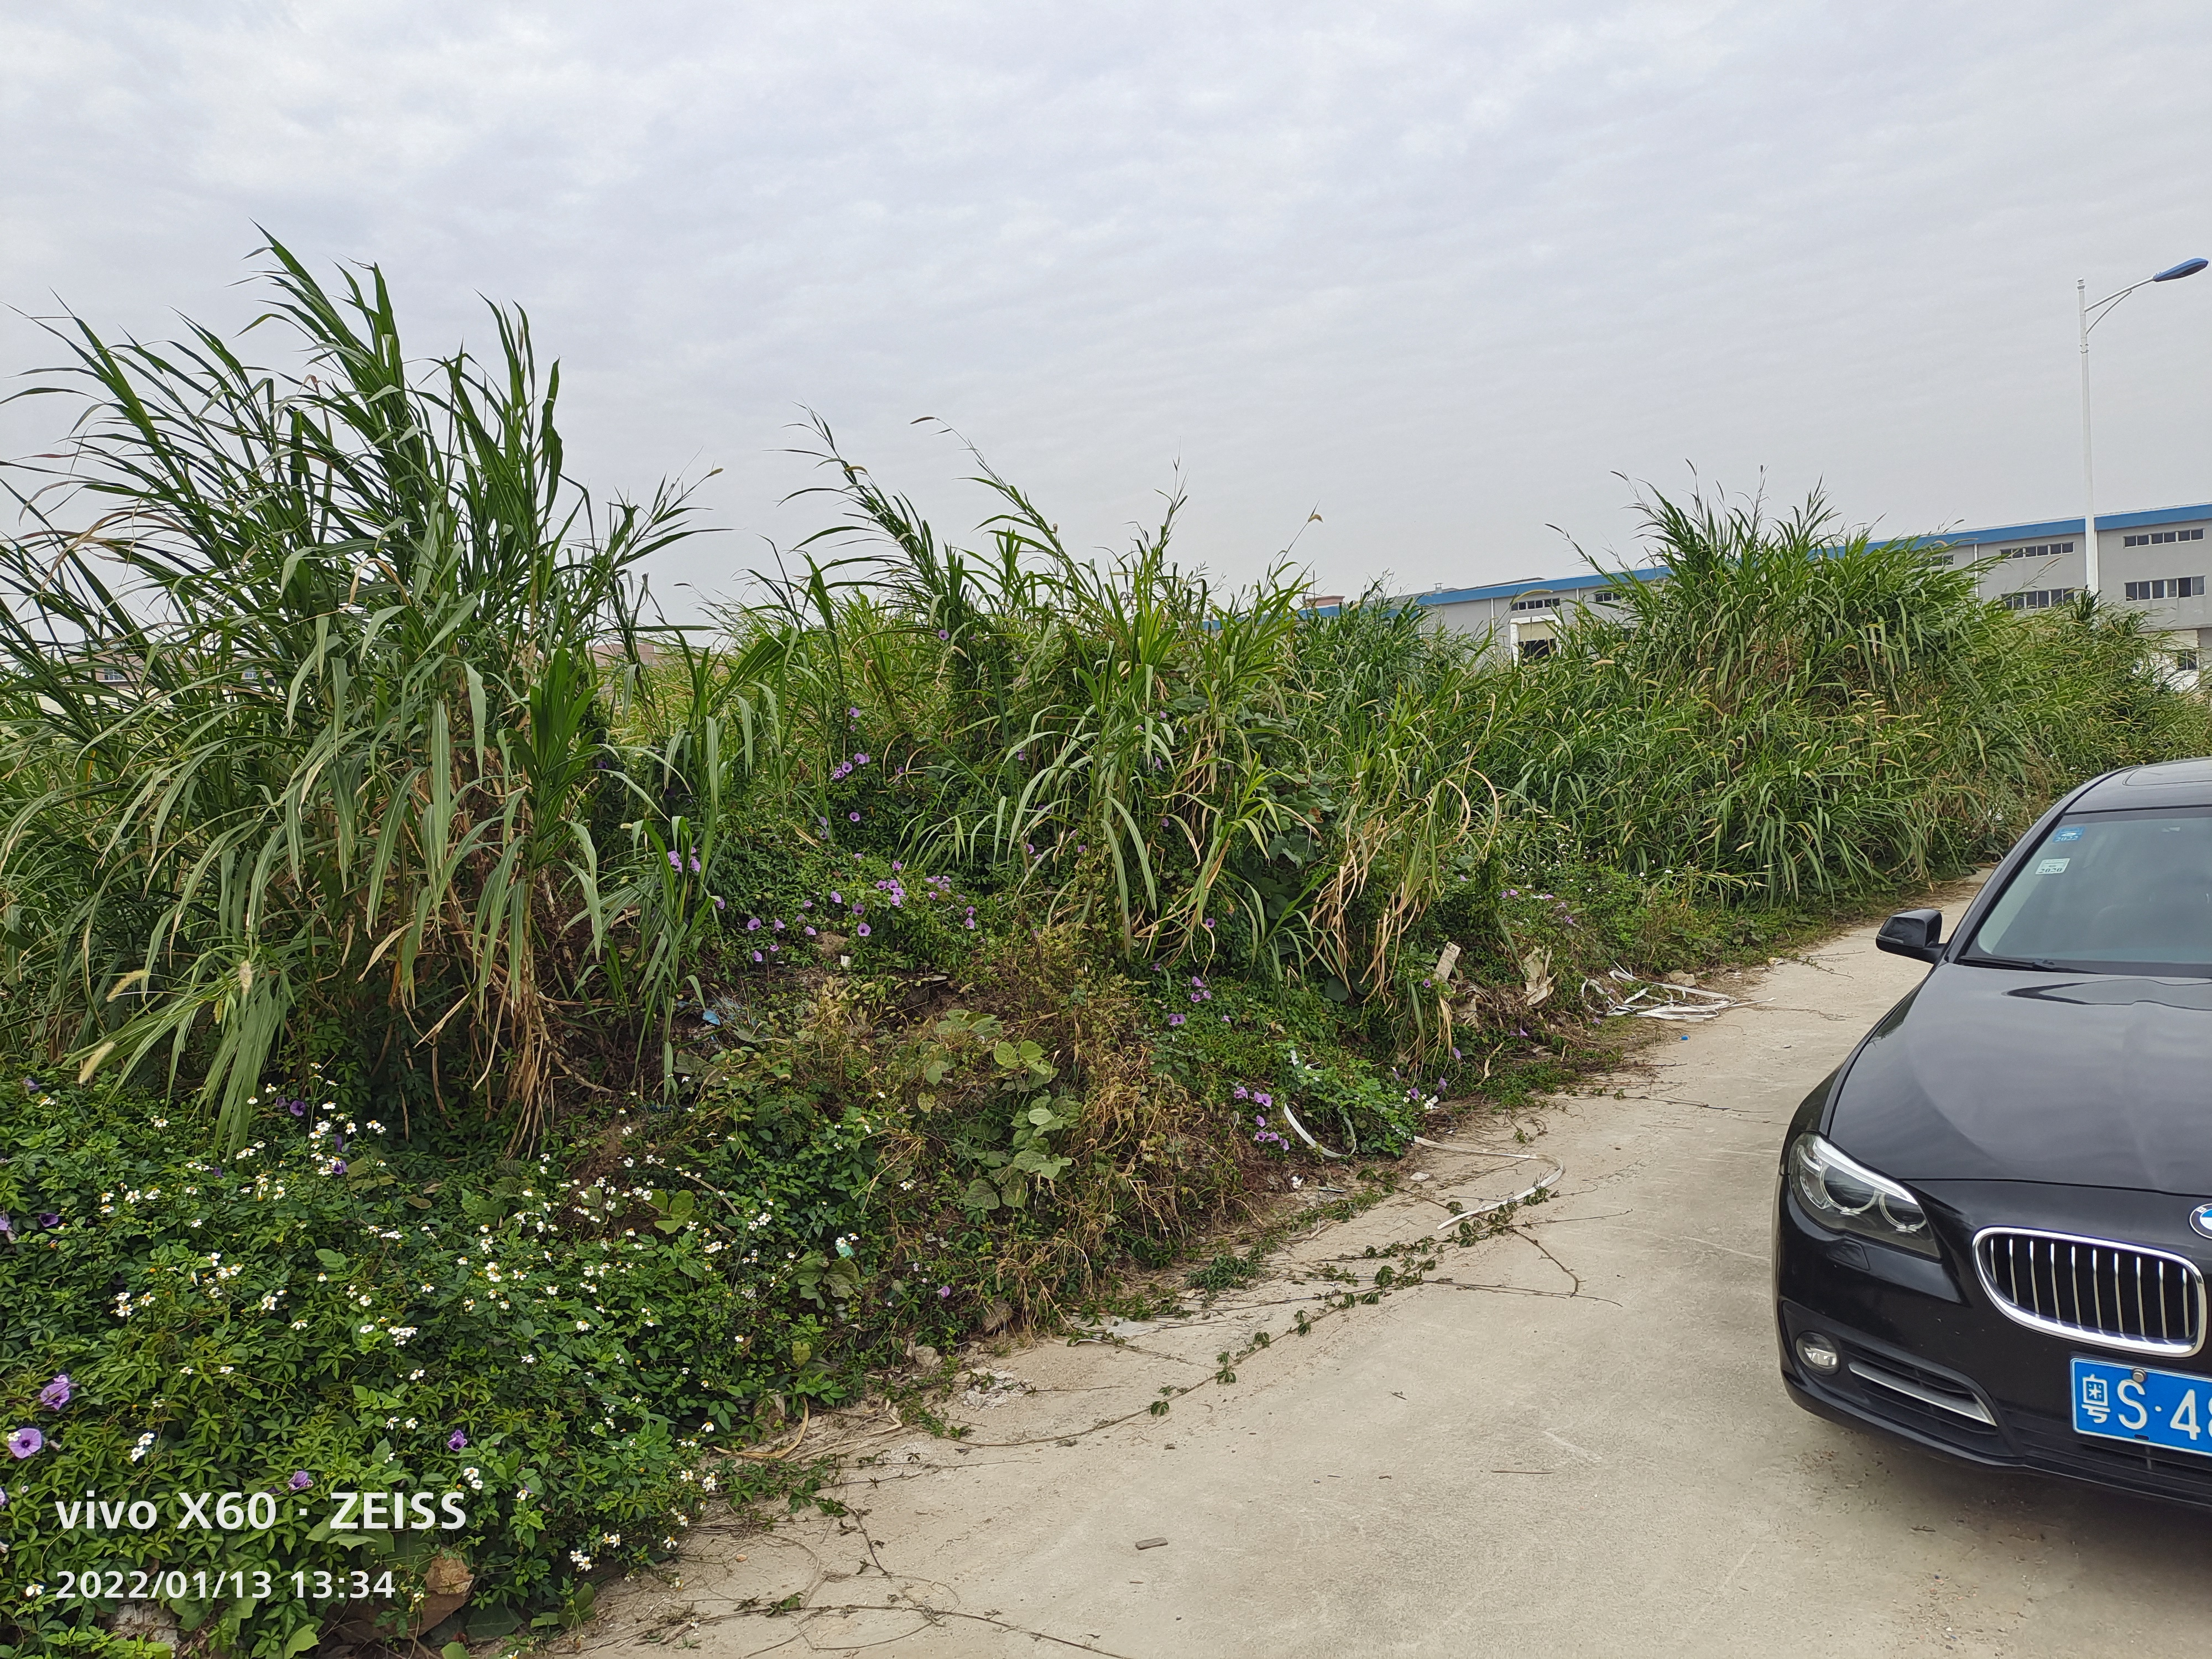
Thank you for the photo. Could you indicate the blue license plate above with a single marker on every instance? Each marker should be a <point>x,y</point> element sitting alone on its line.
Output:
<point>2168,1409</point>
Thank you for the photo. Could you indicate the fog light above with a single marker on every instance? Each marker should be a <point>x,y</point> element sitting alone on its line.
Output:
<point>1819,1354</point>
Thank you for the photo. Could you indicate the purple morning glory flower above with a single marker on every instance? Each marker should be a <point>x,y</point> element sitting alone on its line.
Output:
<point>456,1440</point>
<point>301,1481</point>
<point>943,1291</point>
<point>1264,1098</point>
<point>25,1443</point>
<point>854,713</point>
<point>809,933</point>
<point>7,1227</point>
<point>48,1219</point>
<point>942,634</point>
<point>856,816</point>
<point>338,1166</point>
<point>862,930</point>
<point>675,860</point>
<point>299,1108</point>
<point>757,956</point>
<point>752,924</point>
<point>56,1394</point>
<point>1175,1019</point>
<point>718,903</point>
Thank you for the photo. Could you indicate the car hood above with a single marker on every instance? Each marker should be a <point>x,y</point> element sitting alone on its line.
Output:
<point>1992,1074</point>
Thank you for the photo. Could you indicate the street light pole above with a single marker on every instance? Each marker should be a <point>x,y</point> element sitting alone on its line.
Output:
<point>2090,316</point>
<point>2089,548</point>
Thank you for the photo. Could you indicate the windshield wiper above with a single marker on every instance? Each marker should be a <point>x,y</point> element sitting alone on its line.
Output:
<point>2032,965</point>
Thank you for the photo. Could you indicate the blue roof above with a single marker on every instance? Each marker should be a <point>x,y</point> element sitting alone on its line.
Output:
<point>2040,529</point>
<point>2047,527</point>
<point>1533,584</point>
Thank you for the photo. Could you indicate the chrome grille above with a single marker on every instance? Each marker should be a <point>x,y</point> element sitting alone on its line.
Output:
<point>2119,1296</point>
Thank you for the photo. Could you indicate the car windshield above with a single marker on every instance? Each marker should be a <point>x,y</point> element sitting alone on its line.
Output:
<point>2111,892</point>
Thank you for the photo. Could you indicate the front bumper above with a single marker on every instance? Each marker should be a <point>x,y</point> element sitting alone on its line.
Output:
<point>1927,1358</point>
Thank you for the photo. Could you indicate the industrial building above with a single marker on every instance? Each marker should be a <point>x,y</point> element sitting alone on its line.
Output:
<point>2153,561</point>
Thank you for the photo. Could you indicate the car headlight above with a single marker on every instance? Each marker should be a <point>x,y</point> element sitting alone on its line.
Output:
<point>1847,1197</point>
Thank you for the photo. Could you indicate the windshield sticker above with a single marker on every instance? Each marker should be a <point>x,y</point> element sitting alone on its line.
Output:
<point>2068,834</point>
<point>2052,866</point>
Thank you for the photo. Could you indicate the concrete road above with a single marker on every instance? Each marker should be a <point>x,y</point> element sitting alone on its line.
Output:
<point>1571,1441</point>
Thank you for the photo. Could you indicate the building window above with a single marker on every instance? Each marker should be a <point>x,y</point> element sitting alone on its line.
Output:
<point>2041,599</point>
<point>2170,588</point>
<point>1536,604</point>
<point>1532,649</point>
<point>2035,550</point>
<point>1611,596</point>
<point>2185,661</point>
<point>1940,558</point>
<point>2157,538</point>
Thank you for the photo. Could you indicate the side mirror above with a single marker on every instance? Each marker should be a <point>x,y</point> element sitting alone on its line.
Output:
<point>1912,934</point>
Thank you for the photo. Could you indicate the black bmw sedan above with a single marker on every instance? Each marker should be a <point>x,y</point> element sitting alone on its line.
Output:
<point>1996,1215</point>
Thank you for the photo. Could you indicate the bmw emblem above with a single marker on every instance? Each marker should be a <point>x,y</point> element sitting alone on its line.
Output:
<point>2200,1219</point>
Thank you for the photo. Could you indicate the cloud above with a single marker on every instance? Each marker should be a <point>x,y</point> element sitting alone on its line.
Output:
<point>1442,268</point>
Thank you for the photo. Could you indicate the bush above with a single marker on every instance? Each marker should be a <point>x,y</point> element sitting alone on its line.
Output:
<point>327,1311</point>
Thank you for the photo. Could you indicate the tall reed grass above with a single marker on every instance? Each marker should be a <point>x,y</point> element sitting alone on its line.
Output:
<point>336,730</point>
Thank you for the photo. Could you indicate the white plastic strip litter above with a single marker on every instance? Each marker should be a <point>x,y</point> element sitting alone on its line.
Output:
<point>1550,1178</point>
<point>1284,1107</point>
<point>1659,999</point>
<point>1557,1173</point>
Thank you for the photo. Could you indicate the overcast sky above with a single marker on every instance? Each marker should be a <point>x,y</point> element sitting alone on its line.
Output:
<point>1439,271</point>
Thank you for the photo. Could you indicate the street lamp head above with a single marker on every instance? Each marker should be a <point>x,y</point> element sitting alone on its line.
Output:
<point>2186,268</point>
